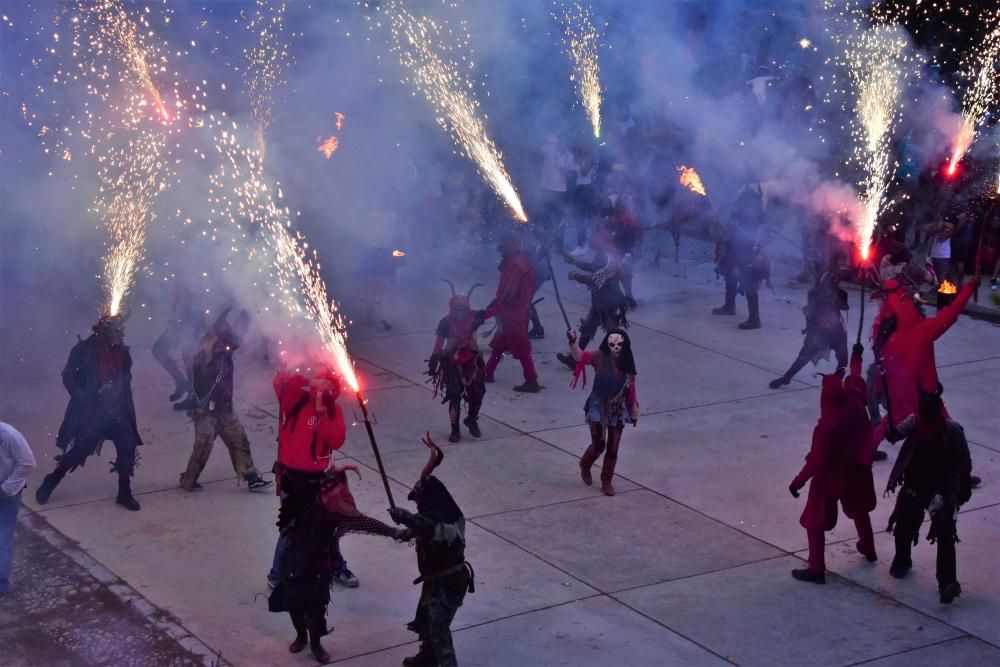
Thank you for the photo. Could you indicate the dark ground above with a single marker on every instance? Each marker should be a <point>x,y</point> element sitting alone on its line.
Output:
<point>58,614</point>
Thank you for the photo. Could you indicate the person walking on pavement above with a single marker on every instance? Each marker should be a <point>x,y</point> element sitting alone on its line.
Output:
<point>16,464</point>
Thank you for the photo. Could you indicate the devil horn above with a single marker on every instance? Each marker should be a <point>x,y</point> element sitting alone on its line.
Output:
<point>450,284</point>
<point>474,286</point>
<point>436,457</point>
<point>347,466</point>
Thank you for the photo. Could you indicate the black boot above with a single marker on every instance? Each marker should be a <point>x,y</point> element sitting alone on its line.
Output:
<point>949,592</point>
<point>125,498</point>
<point>48,486</point>
<point>810,576</point>
<point>183,387</point>
<point>322,657</point>
<point>566,360</point>
<point>780,382</point>
<point>753,305</point>
<point>301,638</point>
<point>423,658</point>
<point>473,425</point>
<point>456,434</point>
<point>529,387</point>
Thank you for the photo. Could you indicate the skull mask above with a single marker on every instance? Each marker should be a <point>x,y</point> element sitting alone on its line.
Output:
<point>616,342</point>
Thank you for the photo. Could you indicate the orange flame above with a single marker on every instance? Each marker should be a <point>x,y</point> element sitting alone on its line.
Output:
<point>340,119</point>
<point>691,180</point>
<point>398,253</point>
<point>947,287</point>
<point>328,146</point>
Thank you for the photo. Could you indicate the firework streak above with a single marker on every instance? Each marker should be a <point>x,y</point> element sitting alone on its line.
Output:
<point>418,44</point>
<point>239,190</point>
<point>980,96</point>
<point>874,61</point>
<point>580,39</point>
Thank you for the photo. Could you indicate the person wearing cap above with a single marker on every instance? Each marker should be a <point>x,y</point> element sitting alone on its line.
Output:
<point>212,411</point>
<point>98,377</point>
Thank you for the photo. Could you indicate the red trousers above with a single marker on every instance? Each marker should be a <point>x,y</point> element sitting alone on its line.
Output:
<point>817,543</point>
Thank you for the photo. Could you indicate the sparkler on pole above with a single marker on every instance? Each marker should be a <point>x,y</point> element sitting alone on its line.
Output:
<point>363,402</point>
<point>418,44</point>
<point>874,61</point>
<point>580,39</point>
<point>979,97</point>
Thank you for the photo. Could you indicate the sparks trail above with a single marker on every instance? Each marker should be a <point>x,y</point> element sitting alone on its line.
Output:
<point>980,95</point>
<point>418,44</point>
<point>266,63</point>
<point>874,59</point>
<point>239,192</point>
<point>580,38</point>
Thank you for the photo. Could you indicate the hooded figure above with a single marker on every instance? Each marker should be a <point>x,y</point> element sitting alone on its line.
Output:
<point>510,307</point>
<point>612,401</point>
<point>313,514</point>
<point>741,261</point>
<point>934,470</point>
<point>445,575</point>
<point>456,365</point>
<point>212,410</point>
<point>98,377</point>
<point>907,355</point>
<point>839,463</point>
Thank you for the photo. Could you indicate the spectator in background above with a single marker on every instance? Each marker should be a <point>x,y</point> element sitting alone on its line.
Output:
<point>584,197</point>
<point>940,233</point>
<point>557,166</point>
<point>16,463</point>
<point>962,244</point>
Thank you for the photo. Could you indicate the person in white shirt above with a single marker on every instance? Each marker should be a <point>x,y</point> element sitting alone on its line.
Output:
<point>584,198</point>
<point>557,164</point>
<point>16,463</point>
<point>940,252</point>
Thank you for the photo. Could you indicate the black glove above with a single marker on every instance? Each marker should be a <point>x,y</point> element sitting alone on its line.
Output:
<point>432,365</point>
<point>858,349</point>
<point>792,489</point>
<point>398,514</point>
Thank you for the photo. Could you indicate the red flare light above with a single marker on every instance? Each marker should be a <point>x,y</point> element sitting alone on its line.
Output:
<point>328,146</point>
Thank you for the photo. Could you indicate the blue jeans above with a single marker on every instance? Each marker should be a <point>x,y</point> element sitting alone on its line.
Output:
<point>9,505</point>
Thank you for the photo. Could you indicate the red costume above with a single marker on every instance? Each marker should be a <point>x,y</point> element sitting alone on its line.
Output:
<point>839,465</point>
<point>908,354</point>
<point>510,307</point>
<point>312,424</point>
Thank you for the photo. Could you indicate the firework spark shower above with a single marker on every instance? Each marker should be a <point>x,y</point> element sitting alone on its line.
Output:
<point>981,94</point>
<point>418,42</point>
<point>581,39</point>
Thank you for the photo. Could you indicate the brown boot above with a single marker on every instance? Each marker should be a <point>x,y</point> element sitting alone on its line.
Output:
<point>607,474</point>
<point>586,462</point>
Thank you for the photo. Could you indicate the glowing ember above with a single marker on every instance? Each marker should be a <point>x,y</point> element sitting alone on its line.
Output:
<point>947,287</point>
<point>328,146</point>
<point>979,97</point>
<point>581,44</point>
<point>804,43</point>
<point>691,180</point>
<point>398,253</point>
<point>340,120</point>
<point>418,42</point>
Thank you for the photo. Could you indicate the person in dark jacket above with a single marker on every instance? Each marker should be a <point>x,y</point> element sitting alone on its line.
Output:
<point>445,576</point>
<point>934,470</point>
<point>213,414</point>
<point>98,377</point>
<point>314,513</point>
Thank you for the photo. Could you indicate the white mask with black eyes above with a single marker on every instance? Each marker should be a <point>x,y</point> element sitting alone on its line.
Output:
<point>616,342</point>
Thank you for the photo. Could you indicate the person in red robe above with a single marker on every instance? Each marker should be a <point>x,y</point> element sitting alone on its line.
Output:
<point>510,308</point>
<point>839,465</point>
<point>907,355</point>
